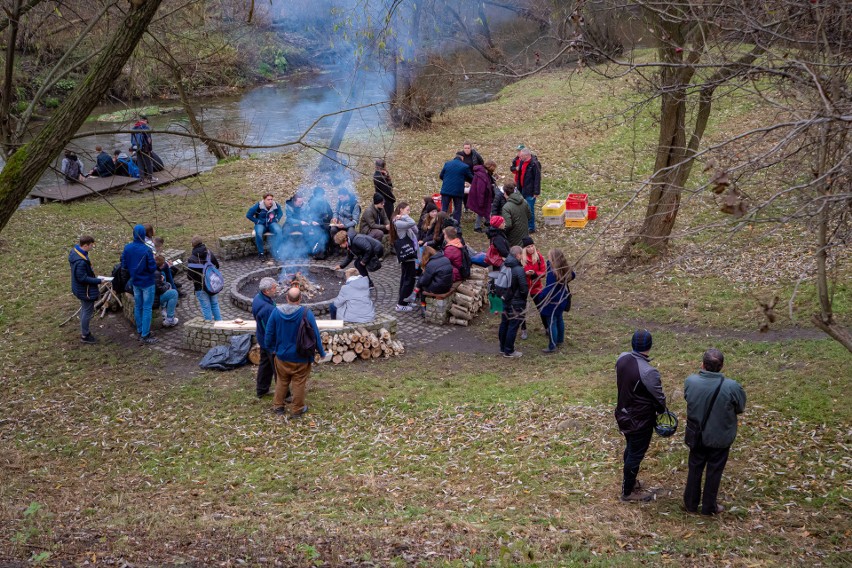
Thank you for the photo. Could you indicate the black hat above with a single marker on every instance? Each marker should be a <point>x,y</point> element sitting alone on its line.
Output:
<point>527,241</point>
<point>377,198</point>
<point>641,341</point>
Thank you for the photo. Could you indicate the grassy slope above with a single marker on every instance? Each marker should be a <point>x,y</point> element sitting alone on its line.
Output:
<point>429,458</point>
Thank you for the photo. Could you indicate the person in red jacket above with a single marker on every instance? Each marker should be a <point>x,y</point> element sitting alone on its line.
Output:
<point>535,268</point>
<point>453,251</point>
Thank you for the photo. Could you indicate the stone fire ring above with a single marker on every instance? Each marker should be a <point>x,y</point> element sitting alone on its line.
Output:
<point>244,302</point>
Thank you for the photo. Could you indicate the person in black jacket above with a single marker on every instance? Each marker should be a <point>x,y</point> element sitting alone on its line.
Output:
<point>514,304</point>
<point>527,171</point>
<point>384,185</point>
<point>366,251</point>
<point>497,235</point>
<point>84,284</point>
<point>437,277</point>
<point>209,303</point>
<point>640,399</point>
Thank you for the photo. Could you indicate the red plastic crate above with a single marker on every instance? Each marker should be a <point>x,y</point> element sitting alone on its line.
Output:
<point>436,197</point>
<point>593,212</point>
<point>577,201</point>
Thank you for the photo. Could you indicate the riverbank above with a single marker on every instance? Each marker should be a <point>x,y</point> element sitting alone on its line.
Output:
<point>435,458</point>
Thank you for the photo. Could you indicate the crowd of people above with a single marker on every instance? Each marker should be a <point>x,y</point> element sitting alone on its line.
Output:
<point>140,160</point>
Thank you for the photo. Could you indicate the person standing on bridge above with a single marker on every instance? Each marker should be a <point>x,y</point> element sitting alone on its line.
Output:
<point>142,141</point>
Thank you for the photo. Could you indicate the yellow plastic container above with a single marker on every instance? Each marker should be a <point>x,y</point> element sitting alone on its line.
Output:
<point>553,208</point>
<point>576,223</point>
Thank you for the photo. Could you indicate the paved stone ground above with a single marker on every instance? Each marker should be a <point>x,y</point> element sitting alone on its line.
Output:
<point>413,331</point>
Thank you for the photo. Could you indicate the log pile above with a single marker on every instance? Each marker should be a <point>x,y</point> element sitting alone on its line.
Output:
<point>347,346</point>
<point>470,297</point>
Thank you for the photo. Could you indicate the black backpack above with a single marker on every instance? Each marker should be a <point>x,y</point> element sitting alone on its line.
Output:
<point>464,271</point>
<point>306,339</point>
<point>72,170</point>
<point>120,279</point>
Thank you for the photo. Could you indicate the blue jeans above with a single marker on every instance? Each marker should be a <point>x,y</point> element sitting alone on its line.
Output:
<point>209,304</point>
<point>332,311</point>
<point>87,308</point>
<point>260,229</point>
<point>531,202</point>
<point>144,303</point>
<point>510,322</point>
<point>457,206</point>
<point>168,301</point>
<point>554,325</point>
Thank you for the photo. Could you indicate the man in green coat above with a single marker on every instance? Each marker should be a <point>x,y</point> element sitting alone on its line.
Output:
<point>517,214</point>
<point>720,430</point>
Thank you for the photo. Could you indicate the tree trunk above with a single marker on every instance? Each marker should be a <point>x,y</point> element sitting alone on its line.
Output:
<point>27,164</point>
<point>215,149</point>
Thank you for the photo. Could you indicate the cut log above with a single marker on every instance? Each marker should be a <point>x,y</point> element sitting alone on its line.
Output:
<point>363,331</point>
<point>458,321</point>
<point>324,336</point>
<point>349,356</point>
<point>374,341</point>
<point>359,347</point>
<point>461,313</point>
<point>254,354</point>
<point>462,300</point>
<point>365,354</point>
<point>468,290</point>
<point>337,359</point>
<point>377,352</point>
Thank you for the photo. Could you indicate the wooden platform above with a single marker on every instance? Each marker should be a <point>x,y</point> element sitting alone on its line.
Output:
<point>65,192</point>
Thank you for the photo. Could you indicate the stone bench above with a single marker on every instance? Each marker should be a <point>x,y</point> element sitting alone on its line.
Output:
<point>200,335</point>
<point>128,305</point>
<point>238,246</point>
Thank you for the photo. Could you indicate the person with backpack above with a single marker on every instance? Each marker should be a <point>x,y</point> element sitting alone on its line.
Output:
<point>514,296</point>
<point>403,234</point>
<point>138,259</point>
<point>293,335</point>
<point>555,299</point>
<point>84,284</point>
<point>142,141</point>
<point>497,240</point>
<point>201,269</point>
<point>366,251</point>
<point>72,167</point>
<point>455,251</point>
<point>124,166</point>
<point>266,215</point>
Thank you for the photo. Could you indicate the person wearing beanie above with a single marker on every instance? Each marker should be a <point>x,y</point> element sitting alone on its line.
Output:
<point>640,399</point>
<point>383,185</point>
<point>497,236</point>
<point>374,220</point>
<point>261,308</point>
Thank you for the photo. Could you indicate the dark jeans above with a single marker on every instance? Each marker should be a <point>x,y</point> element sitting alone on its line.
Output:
<point>457,206</point>
<point>265,371</point>
<point>714,459</point>
<point>87,309</point>
<point>634,453</point>
<point>510,321</point>
<point>332,311</point>
<point>406,281</point>
<point>554,325</point>
<point>145,163</point>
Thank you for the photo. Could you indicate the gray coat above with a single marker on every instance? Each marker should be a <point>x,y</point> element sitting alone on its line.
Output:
<point>353,302</point>
<point>721,428</point>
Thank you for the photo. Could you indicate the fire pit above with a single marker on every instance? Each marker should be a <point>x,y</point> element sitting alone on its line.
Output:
<point>319,285</point>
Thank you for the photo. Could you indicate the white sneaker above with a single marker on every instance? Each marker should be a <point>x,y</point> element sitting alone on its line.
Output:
<point>170,322</point>
<point>165,317</point>
<point>401,308</point>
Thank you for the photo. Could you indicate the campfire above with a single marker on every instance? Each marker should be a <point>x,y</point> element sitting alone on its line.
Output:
<point>308,288</point>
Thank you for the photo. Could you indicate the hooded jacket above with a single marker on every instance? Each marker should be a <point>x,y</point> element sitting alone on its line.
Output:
<point>364,248</point>
<point>481,195</point>
<point>260,215</point>
<point>721,428</point>
<point>453,252</point>
<point>140,138</point>
<point>348,212</point>
<point>437,277</point>
<point>199,256</point>
<point>105,165</point>
<point>497,237</point>
<point>353,302</point>
<point>640,393</point>
<point>261,308</point>
<point>498,202</point>
<point>517,214</point>
<point>518,292</point>
<point>138,259</point>
<point>406,227</point>
<point>84,283</point>
<point>282,330</point>
<point>454,174</point>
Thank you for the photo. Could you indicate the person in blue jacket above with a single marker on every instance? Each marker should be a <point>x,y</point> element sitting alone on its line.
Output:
<point>138,259</point>
<point>266,215</point>
<point>555,298</point>
<point>291,369</point>
<point>84,284</point>
<point>454,174</point>
<point>262,307</point>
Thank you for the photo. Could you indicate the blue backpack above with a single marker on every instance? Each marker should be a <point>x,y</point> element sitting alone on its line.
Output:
<point>211,279</point>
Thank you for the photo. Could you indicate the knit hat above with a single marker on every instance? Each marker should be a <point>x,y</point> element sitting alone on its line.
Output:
<point>496,221</point>
<point>377,198</point>
<point>527,241</point>
<point>641,341</point>
<point>266,283</point>
<point>429,208</point>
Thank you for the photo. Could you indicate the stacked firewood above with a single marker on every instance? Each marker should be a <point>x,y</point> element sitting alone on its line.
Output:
<point>470,297</point>
<point>345,347</point>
